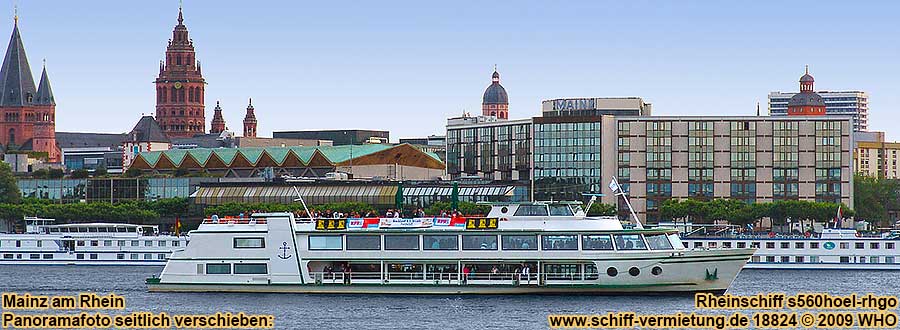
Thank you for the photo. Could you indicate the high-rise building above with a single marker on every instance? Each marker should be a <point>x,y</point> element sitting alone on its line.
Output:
<point>877,159</point>
<point>811,102</point>
<point>495,101</point>
<point>250,121</point>
<point>29,114</point>
<point>180,87</point>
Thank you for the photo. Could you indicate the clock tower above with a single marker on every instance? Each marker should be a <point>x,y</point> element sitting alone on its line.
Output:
<point>180,88</point>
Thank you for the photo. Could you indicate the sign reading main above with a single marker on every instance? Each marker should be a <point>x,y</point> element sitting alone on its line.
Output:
<point>574,104</point>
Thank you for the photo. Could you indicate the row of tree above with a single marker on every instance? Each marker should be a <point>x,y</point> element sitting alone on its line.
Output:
<point>741,213</point>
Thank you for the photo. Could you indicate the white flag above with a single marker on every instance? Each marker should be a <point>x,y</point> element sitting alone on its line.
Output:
<point>614,186</point>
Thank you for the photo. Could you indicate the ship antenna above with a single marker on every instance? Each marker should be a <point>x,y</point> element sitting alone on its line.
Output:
<point>617,189</point>
<point>300,198</point>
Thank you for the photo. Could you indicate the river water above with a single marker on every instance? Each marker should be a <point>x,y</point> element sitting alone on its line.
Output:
<point>298,311</point>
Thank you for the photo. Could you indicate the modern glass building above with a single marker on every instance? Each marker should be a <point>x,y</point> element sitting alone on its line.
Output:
<point>840,103</point>
<point>567,158</point>
<point>109,189</point>
<point>489,148</point>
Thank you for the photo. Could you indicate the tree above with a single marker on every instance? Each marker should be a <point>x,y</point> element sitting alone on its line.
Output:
<point>79,174</point>
<point>40,173</point>
<point>878,196</point>
<point>132,172</point>
<point>9,191</point>
<point>100,171</point>
<point>55,173</point>
<point>600,209</point>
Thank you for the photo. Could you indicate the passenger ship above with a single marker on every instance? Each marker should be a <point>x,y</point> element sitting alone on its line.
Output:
<point>517,248</point>
<point>834,248</point>
<point>45,243</point>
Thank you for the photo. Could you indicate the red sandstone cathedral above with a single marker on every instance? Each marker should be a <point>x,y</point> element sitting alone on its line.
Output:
<point>28,113</point>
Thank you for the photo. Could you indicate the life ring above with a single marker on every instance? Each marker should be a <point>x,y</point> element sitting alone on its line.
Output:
<point>771,234</point>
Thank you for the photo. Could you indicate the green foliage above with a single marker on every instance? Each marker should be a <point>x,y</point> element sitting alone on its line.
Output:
<point>878,195</point>
<point>9,191</point>
<point>132,172</point>
<point>600,209</point>
<point>100,171</point>
<point>79,174</point>
<point>466,208</point>
<point>55,173</point>
<point>85,212</point>
<point>741,213</point>
<point>40,173</point>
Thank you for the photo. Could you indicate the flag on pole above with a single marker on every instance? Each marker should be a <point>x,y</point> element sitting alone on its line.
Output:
<point>177,226</point>
<point>614,186</point>
<point>838,217</point>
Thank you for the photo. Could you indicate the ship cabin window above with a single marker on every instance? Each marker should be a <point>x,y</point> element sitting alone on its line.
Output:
<point>889,246</point>
<point>48,256</point>
<point>107,243</point>
<point>813,245</point>
<point>80,243</point>
<point>770,258</point>
<point>92,229</point>
<point>79,256</point>
<point>249,243</point>
<point>559,242</point>
<point>561,210</point>
<point>770,245</point>
<point>95,243</point>
<point>698,244</point>
<point>363,242</point>
<point>754,259</point>
<point>754,245</point>
<point>741,245</point>
<point>161,256</point>
<point>322,242</point>
<point>134,256</point>
<point>676,241</point>
<point>519,242</point>
<point>873,259</point>
<point>873,246</point>
<point>148,256</point>
<point>175,243</point>
<point>889,260</point>
<point>596,242</point>
<point>7,256</point>
<point>845,260</point>
<point>250,269</point>
<point>798,259</point>
<point>135,243</point>
<point>162,243</point>
<point>629,242</point>
<point>401,242</point>
<point>93,256</point>
<point>120,256</point>
<point>440,242</point>
<point>34,256</point>
<point>218,268</point>
<point>785,245</point>
<point>479,242</point>
<point>814,259</point>
<point>40,243</point>
<point>860,245</point>
<point>798,245</point>
<point>845,245</point>
<point>531,210</point>
<point>148,243</point>
<point>726,245</point>
<point>713,245</point>
<point>660,242</point>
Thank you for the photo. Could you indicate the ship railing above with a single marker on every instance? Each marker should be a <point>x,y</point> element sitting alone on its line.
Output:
<point>342,278</point>
<point>235,221</point>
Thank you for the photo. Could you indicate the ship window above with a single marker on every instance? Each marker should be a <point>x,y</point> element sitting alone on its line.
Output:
<point>698,244</point>
<point>660,242</point>
<point>40,243</point>
<point>889,246</point>
<point>798,259</point>
<point>332,242</point>
<point>596,242</point>
<point>401,242</point>
<point>79,243</point>
<point>770,245</point>
<point>519,242</point>
<point>34,256</point>
<point>713,245</point>
<point>218,268</point>
<point>814,259</point>
<point>134,256</point>
<point>479,242</point>
<point>174,243</point>
<point>148,243</point>
<point>249,243</point>
<point>888,260</point>
<point>79,256</point>
<point>440,242</point>
<point>873,259</point>
<point>120,256</point>
<point>770,258</point>
<point>250,269</point>
<point>93,256</point>
<point>48,256</point>
<point>92,229</point>
<point>845,245</point>
<point>754,259</point>
<point>754,245</point>
<point>162,243</point>
<point>629,242</point>
<point>559,242</point>
<point>95,243</point>
<point>161,256</point>
<point>725,245</point>
<point>813,245</point>
<point>798,245</point>
<point>107,243</point>
<point>785,245</point>
<point>873,246</point>
<point>859,245</point>
<point>363,242</point>
<point>741,245</point>
<point>531,210</point>
<point>148,256</point>
<point>7,256</point>
<point>560,210</point>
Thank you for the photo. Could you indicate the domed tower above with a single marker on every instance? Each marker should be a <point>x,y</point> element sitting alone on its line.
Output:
<point>495,101</point>
<point>807,102</point>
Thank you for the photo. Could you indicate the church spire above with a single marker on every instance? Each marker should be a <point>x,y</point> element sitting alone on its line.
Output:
<point>250,121</point>
<point>44,92</point>
<point>218,122</point>
<point>16,80</point>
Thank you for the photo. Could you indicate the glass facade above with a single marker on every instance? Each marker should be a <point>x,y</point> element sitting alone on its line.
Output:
<point>107,189</point>
<point>743,160</point>
<point>498,152</point>
<point>566,160</point>
<point>659,166</point>
<point>828,162</point>
<point>700,160</point>
<point>785,164</point>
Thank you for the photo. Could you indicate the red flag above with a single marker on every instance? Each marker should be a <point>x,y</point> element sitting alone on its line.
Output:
<point>177,226</point>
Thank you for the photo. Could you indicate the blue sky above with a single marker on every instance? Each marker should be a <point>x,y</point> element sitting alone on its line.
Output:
<point>407,66</point>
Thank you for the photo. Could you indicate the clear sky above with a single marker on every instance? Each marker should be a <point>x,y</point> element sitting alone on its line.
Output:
<point>407,66</point>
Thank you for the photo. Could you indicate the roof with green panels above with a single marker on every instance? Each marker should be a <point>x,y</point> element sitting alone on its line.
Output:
<point>360,154</point>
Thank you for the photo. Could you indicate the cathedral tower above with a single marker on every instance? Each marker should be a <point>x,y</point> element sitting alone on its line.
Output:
<point>180,88</point>
<point>250,121</point>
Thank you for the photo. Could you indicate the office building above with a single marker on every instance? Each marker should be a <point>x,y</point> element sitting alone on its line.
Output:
<point>877,159</point>
<point>339,137</point>
<point>489,148</point>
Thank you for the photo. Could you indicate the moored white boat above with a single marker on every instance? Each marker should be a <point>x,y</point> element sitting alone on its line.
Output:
<point>45,243</point>
<point>517,248</point>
